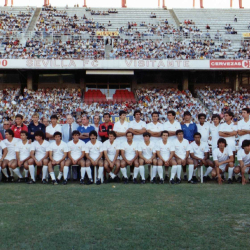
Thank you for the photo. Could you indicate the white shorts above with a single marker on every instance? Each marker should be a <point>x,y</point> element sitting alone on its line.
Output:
<point>223,167</point>
<point>9,158</point>
<point>182,156</point>
<point>247,170</point>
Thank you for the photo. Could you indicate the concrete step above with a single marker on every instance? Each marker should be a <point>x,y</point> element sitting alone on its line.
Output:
<point>34,19</point>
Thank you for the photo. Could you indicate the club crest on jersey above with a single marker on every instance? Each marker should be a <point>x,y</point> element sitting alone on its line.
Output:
<point>62,149</point>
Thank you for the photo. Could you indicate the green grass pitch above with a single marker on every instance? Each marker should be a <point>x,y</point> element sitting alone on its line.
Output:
<point>185,216</point>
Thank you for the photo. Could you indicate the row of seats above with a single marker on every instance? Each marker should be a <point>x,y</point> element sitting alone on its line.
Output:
<point>119,96</point>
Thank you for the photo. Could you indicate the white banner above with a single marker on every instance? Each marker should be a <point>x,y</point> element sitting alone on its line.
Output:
<point>119,64</point>
<point>102,64</point>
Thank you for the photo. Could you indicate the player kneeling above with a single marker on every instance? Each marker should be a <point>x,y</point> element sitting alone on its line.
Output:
<point>94,152</point>
<point>165,152</point>
<point>76,152</point>
<point>199,152</point>
<point>243,156</point>
<point>181,148</point>
<point>111,149</point>
<point>129,155</point>
<point>39,152</point>
<point>58,152</point>
<point>147,154</point>
<point>224,161</point>
<point>23,153</point>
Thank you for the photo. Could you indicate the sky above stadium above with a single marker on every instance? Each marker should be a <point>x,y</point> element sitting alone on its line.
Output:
<point>136,3</point>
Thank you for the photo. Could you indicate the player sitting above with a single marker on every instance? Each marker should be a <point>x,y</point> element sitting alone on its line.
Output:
<point>224,161</point>
<point>58,152</point>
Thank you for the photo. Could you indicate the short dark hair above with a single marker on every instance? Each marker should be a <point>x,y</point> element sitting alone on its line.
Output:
<point>229,113</point>
<point>54,117</point>
<point>201,115</point>
<point>93,132</point>
<point>112,133</point>
<point>155,113</point>
<point>146,134</point>
<point>76,132</point>
<point>19,116</point>
<point>121,112</point>
<point>187,113</point>
<point>107,114</point>
<point>24,132</point>
<point>40,133</point>
<point>137,111</point>
<point>197,133</point>
<point>10,132</point>
<point>129,133</point>
<point>245,143</point>
<point>216,116</point>
<point>171,112</point>
<point>246,109</point>
<point>179,131</point>
<point>222,140</point>
<point>57,133</point>
<point>164,131</point>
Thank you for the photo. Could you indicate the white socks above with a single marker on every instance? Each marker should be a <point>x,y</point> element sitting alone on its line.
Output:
<point>52,174</point>
<point>173,172</point>
<point>5,172</point>
<point>26,173</point>
<point>100,172</point>
<point>124,172</point>
<point>32,172</point>
<point>208,171</point>
<point>112,175</point>
<point>11,171</point>
<point>83,170</point>
<point>179,167</point>
<point>45,171</point>
<point>230,173</point>
<point>18,173</point>
<point>190,171</point>
<point>160,172</point>
<point>142,172</point>
<point>65,172</point>
<point>136,171</point>
<point>154,171</point>
<point>59,177</point>
<point>195,171</point>
<point>88,170</point>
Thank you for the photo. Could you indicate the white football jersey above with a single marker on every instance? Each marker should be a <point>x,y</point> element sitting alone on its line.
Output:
<point>137,125</point>
<point>199,151</point>
<point>129,150</point>
<point>147,150</point>
<point>172,127</point>
<point>76,149</point>
<point>242,156</point>
<point>40,149</point>
<point>204,131</point>
<point>94,150</point>
<point>222,156</point>
<point>158,127</point>
<point>242,125</point>
<point>2,146</point>
<point>224,127</point>
<point>181,148</point>
<point>58,150</point>
<point>111,148</point>
<point>214,132</point>
<point>51,130</point>
<point>23,149</point>
<point>11,155</point>
<point>165,149</point>
<point>122,128</point>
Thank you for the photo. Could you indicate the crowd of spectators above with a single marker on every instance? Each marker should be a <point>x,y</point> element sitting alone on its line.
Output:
<point>72,49</point>
<point>220,100</point>
<point>157,49</point>
<point>11,23</point>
